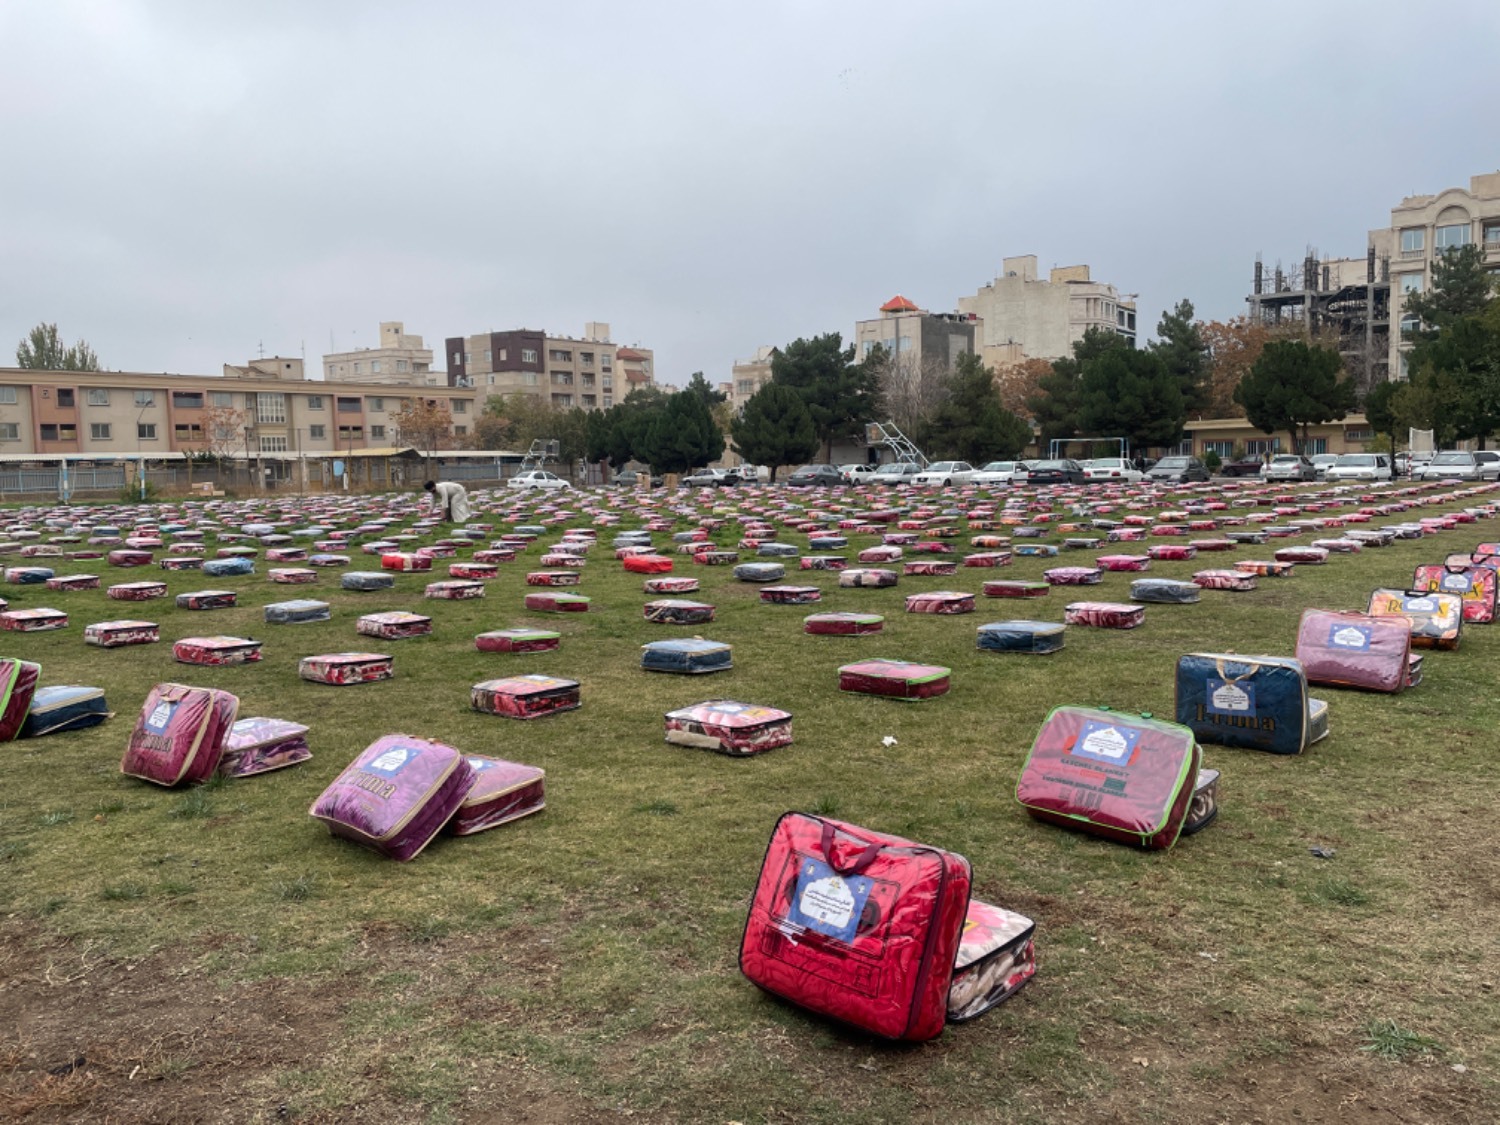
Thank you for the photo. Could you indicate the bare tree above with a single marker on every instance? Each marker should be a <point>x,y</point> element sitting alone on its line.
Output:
<point>912,387</point>
<point>425,424</point>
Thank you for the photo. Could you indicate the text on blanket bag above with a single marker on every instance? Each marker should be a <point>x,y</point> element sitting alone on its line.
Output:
<point>372,784</point>
<point>1224,719</point>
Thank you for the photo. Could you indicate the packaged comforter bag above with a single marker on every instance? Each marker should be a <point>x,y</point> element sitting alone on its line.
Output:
<point>65,707</point>
<point>18,679</point>
<point>1476,585</point>
<point>259,745</point>
<point>180,734</point>
<point>397,795</point>
<point>857,925</point>
<point>730,727</point>
<point>996,956</point>
<point>116,634</point>
<point>503,791</point>
<point>1435,619</point>
<point>691,656</point>
<point>296,612</point>
<point>1254,702</point>
<point>1036,637</point>
<point>1355,650</point>
<point>1125,778</point>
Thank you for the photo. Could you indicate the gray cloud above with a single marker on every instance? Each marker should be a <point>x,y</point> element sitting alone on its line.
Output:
<point>186,182</point>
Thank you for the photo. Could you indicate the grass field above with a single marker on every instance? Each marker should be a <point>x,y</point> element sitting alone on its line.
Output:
<point>214,955</point>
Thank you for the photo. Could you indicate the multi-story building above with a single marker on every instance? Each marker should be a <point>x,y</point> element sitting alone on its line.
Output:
<point>591,372</point>
<point>398,359</point>
<point>264,406</point>
<point>1043,319</point>
<point>750,375</point>
<point>906,331</point>
<point>1424,226</point>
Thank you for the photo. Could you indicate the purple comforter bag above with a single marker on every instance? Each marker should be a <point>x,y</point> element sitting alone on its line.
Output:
<point>396,795</point>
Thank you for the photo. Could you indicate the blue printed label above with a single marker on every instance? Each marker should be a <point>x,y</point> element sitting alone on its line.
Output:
<point>161,717</point>
<point>827,903</point>
<point>391,762</point>
<point>1356,637</point>
<point>1456,583</point>
<point>1421,605</point>
<point>483,763</point>
<point>1105,742</point>
<point>1231,698</point>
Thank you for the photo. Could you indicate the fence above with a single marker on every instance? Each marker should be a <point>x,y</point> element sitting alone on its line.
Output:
<point>48,481</point>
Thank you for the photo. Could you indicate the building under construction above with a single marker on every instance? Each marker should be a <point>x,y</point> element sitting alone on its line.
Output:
<point>1349,298</point>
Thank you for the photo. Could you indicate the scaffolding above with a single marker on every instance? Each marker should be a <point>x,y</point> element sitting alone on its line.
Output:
<point>1332,295</point>
<point>887,434</point>
<point>540,453</point>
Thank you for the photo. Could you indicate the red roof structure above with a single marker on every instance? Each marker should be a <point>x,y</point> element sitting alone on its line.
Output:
<point>899,303</point>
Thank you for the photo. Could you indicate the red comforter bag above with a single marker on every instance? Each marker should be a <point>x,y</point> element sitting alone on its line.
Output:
<point>857,925</point>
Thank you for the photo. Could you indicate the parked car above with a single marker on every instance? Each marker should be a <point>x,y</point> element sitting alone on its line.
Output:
<point>1489,463</point>
<point>1242,467</point>
<point>1178,470</point>
<point>1362,466</point>
<point>1116,470</point>
<point>1055,472</point>
<point>945,473</point>
<point>815,476</point>
<point>629,478</point>
<point>1322,462</point>
<point>537,478</point>
<point>1290,466</point>
<point>999,472</point>
<point>1456,464</point>
<point>857,474</point>
<point>711,478</point>
<point>898,472</point>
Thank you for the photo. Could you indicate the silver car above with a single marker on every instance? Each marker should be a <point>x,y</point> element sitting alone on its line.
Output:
<point>1290,466</point>
<point>1456,464</point>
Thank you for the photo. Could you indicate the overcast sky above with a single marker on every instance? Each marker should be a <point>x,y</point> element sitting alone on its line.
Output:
<point>188,181</point>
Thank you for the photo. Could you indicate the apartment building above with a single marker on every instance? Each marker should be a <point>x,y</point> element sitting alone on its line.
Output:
<point>750,375</point>
<point>264,406</point>
<point>908,332</point>
<point>592,371</point>
<point>1424,226</point>
<point>399,359</point>
<point>1042,319</point>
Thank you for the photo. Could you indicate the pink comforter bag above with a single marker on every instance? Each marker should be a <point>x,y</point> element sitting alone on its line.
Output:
<point>180,734</point>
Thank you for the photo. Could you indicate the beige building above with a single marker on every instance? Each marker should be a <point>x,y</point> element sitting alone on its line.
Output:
<point>1423,226</point>
<point>1229,437</point>
<point>398,359</point>
<point>591,371</point>
<point>264,406</point>
<point>1044,318</point>
<point>908,332</point>
<point>750,375</point>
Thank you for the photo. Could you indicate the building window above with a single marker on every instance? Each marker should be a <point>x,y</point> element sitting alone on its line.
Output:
<point>145,431</point>
<point>347,405</point>
<point>1410,323</point>
<point>221,398</point>
<point>1259,448</point>
<point>530,378</point>
<point>400,365</point>
<point>315,402</point>
<point>588,381</point>
<point>10,431</point>
<point>587,357</point>
<point>608,383</point>
<point>605,364</point>
<point>503,354</point>
<point>458,359</point>
<point>65,397</point>
<point>744,387</point>
<point>557,355</point>
<point>609,400</point>
<point>349,433</point>
<point>1411,283</point>
<point>270,408</point>
<point>1404,367</point>
<point>98,397</point>
<point>562,379</point>
<point>99,431</point>
<point>49,431</point>
<point>528,355</point>
<point>188,432</point>
<point>374,367</point>
<point>489,355</point>
<point>145,398</point>
<point>1222,448</point>
<point>377,431</point>
<point>1413,240</point>
<point>8,395</point>
<point>1492,236</point>
<point>1452,237</point>
<point>187,400</point>
<point>1359,434</point>
<point>1314,446</point>
<point>460,430</point>
<point>272,443</point>
<point>356,369</point>
<point>317,433</point>
<point>377,404</point>
<point>460,406</point>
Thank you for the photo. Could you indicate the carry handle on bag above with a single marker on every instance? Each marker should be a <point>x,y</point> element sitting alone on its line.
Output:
<point>863,860</point>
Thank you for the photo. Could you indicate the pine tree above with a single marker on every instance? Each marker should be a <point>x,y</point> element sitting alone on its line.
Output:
<point>840,395</point>
<point>971,424</point>
<point>1294,386</point>
<point>43,350</point>
<point>1131,394</point>
<point>774,429</point>
<point>1184,353</point>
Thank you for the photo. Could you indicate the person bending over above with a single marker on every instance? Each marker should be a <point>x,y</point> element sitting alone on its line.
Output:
<point>451,500</point>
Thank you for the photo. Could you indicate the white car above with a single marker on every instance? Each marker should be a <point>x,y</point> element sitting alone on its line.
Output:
<point>1359,466</point>
<point>1112,470</point>
<point>857,474</point>
<point>945,473</point>
<point>999,472</point>
<point>537,478</point>
<point>1456,464</point>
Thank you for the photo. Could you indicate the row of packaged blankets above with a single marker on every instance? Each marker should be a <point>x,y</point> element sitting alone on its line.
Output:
<point>394,797</point>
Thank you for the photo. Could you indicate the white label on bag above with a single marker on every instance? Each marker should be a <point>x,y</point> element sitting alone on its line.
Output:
<point>1106,742</point>
<point>1231,698</point>
<point>827,901</point>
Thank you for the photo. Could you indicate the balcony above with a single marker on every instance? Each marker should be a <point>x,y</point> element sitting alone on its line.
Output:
<point>1413,255</point>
